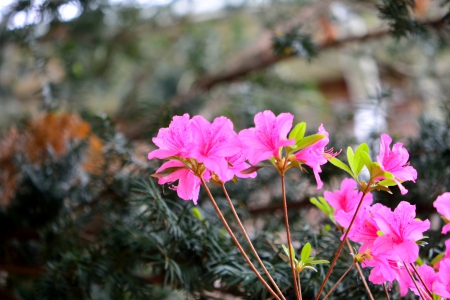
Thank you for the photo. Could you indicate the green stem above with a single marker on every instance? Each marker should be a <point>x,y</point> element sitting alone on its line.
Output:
<point>230,232</point>
<point>288,234</point>
<point>249,241</point>
<point>341,245</point>
<point>339,281</point>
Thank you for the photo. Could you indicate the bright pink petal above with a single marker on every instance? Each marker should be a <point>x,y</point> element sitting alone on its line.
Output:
<point>401,231</point>
<point>345,201</point>
<point>174,140</point>
<point>441,286</point>
<point>395,161</point>
<point>267,137</point>
<point>316,155</point>
<point>442,204</point>
<point>188,187</point>
<point>213,143</point>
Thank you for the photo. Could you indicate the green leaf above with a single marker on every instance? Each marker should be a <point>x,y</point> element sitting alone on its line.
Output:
<point>298,132</point>
<point>366,160</point>
<point>323,205</point>
<point>382,188</point>
<point>375,171</point>
<point>310,268</point>
<point>197,213</point>
<point>358,159</point>
<point>293,252</point>
<point>306,252</point>
<point>320,261</point>
<point>437,259</point>
<point>387,182</point>
<point>341,165</point>
<point>308,141</point>
<point>351,159</point>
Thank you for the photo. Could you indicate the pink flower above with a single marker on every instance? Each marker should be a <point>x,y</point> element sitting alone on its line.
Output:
<point>188,186</point>
<point>268,136</point>
<point>315,155</point>
<point>401,231</point>
<point>441,286</point>
<point>175,140</point>
<point>345,201</point>
<point>395,161</point>
<point>213,143</point>
<point>442,205</point>
<point>364,229</point>
<point>386,269</point>
<point>236,164</point>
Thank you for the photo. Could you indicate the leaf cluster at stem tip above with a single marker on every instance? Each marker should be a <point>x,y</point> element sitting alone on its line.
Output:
<point>306,260</point>
<point>357,160</point>
<point>301,142</point>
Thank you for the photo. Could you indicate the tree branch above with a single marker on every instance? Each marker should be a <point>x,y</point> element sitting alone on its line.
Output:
<point>266,58</point>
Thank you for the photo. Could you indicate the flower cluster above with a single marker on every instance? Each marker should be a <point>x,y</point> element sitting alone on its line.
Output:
<point>196,148</point>
<point>390,239</point>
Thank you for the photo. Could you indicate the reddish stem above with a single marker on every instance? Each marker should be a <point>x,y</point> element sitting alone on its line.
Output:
<point>341,245</point>
<point>288,234</point>
<point>339,281</point>
<point>386,291</point>
<point>360,272</point>
<point>415,282</point>
<point>244,232</point>
<point>230,232</point>
<point>421,280</point>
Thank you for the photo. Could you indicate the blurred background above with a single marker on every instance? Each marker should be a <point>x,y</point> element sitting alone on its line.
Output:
<point>86,84</point>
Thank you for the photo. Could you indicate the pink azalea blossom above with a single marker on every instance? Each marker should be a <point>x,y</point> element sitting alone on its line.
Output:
<point>175,140</point>
<point>268,136</point>
<point>236,164</point>
<point>188,187</point>
<point>315,155</point>
<point>213,143</point>
<point>401,231</point>
<point>345,201</point>
<point>395,161</point>
<point>385,269</point>
<point>441,286</point>
<point>442,205</point>
<point>365,229</point>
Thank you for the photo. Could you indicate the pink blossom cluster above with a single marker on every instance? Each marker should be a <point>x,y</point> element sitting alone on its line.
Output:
<point>396,162</point>
<point>390,238</point>
<point>197,148</point>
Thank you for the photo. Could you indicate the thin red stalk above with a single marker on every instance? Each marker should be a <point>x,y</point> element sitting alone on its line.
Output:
<point>339,281</point>
<point>386,291</point>
<point>360,273</point>
<point>230,232</point>
<point>250,242</point>
<point>414,280</point>
<point>341,245</point>
<point>299,284</point>
<point>288,234</point>
<point>421,280</point>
